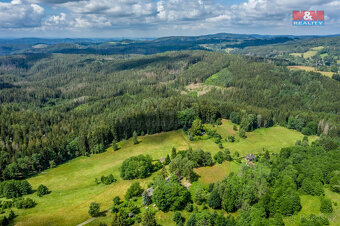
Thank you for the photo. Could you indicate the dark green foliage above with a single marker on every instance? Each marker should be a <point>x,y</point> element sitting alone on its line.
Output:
<point>14,189</point>
<point>179,220</point>
<point>173,153</point>
<point>313,220</point>
<point>136,167</point>
<point>124,209</point>
<point>326,205</point>
<point>336,77</point>
<point>116,200</point>
<point>24,203</point>
<point>312,187</point>
<point>11,215</point>
<point>189,207</point>
<point>118,220</point>
<point>167,160</point>
<point>235,117</point>
<point>200,196</point>
<point>135,137</point>
<point>170,196</point>
<point>334,181</point>
<point>94,209</point>
<point>89,119</point>
<point>146,198</point>
<point>149,219</point>
<point>231,139</point>
<point>242,133</point>
<point>196,128</point>
<point>42,190</point>
<point>134,190</point>
<point>114,145</point>
<point>219,157</point>
<point>214,200</point>
<point>108,179</point>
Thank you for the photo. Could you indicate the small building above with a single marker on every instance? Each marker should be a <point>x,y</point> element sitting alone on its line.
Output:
<point>250,158</point>
<point>149,192</point>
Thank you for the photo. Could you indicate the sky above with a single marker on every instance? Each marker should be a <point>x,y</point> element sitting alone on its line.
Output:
<point>158,18</point>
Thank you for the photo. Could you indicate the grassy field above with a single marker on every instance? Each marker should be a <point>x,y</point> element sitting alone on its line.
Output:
<point>73,186</point>
<point>311,205</point>
<point>308,68</point>
<point>312,52</point>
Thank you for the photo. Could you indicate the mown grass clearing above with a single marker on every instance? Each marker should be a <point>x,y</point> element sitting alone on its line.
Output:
<point>73,186</point>
<point>308,68</point>
<point>311,205</point>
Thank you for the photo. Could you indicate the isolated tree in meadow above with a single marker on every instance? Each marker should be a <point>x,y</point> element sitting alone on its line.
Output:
<point>326,205</point>
<point>94,209</point>
<point>42,190</point>
<point>135,137</point>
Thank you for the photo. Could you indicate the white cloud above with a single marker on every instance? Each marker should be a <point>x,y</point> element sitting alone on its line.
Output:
<point>176,16</point>
<point>19,14</point>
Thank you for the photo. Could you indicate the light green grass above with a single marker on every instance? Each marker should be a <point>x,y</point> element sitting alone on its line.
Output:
<point>308,68</point>
<point>73,187</point>
<point>311,205</point>
<point>318,48</point>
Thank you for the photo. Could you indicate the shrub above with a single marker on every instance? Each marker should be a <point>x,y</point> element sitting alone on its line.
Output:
<point>133,191</point>
<point>178,218</point>
<point>189,207</point>
<point>42,190</point>
<point>136,167</point>
<point>94,209</point>
<point>214,200</point>
<point>108,179</point>
<point>15,189</point>
<point>326,206</point>
<point>24,203</point>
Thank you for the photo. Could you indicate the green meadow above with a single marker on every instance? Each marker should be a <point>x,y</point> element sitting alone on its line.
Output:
<point>73,185</point>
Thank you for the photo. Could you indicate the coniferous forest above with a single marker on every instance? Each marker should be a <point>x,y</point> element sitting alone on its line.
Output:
<point>56,107</point>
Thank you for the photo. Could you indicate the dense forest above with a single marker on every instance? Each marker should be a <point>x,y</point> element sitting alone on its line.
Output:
<point>55,107</point>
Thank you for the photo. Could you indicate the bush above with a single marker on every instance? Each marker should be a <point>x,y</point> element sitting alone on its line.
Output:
<point>242,133</point>
<point>108,180</point>
<point>42,190</point>
<point>189,207</point>
<point>24,203</point>
<point>326,206</point>
<point>214,200</point>
<point>219,157</point>
<point>178,218</point>
<point>133,191</point>
<point>94,209</point>
<point>15,189</point>
<point>136,167</point>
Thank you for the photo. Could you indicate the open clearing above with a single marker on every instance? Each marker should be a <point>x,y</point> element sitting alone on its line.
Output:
<point>73,186</point>
<point>308,68</point>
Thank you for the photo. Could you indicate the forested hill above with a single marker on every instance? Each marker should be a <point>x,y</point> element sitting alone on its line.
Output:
<point>55,107</point>
<point>136,46</point>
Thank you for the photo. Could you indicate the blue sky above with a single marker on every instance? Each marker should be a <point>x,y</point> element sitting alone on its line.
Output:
<point>156,18</point>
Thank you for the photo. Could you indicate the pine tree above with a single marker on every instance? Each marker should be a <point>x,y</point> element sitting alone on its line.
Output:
<point>135,137</point>
<point>114,145</point>
<point>173,153</point>
<point>167,160</point>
